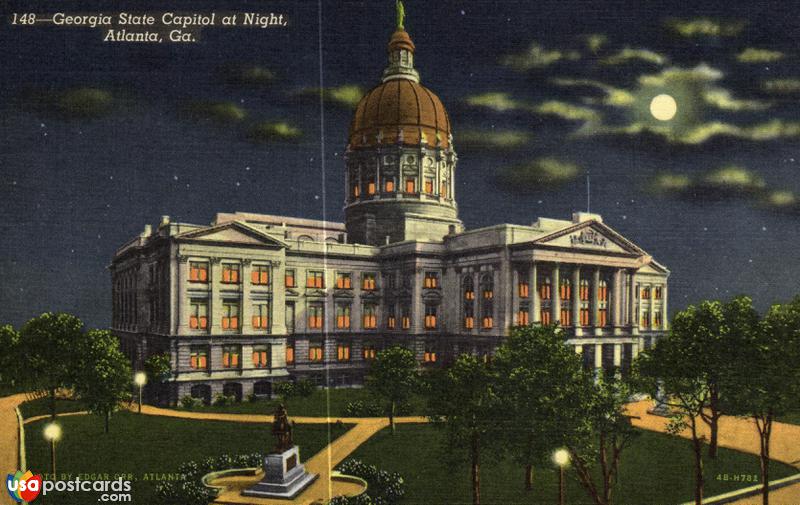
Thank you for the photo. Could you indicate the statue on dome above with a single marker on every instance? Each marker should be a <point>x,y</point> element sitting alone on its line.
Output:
<point>401,14</point>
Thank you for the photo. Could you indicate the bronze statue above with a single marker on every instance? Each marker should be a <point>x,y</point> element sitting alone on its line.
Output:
<point>282,430</point>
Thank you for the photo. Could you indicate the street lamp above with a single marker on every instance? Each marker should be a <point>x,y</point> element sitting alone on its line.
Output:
<point>52,433</point>
<point>140,379</point>
<point>561,458</point>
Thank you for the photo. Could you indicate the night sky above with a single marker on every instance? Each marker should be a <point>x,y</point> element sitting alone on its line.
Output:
<point>97,139</point>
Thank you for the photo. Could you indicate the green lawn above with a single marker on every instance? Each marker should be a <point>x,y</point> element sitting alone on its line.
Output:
<point>322,402</point>
<point>656,470</point>
<point>41,406</point>
<point>148,446</point>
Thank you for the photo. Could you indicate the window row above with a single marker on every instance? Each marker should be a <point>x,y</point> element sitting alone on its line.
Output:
<point>344,353</point>
<point>230,273</point>
<point>648,292</point>
<point>230,318</point>
<point>231,357</point>
<point>369,187</point>
<point>485,304</point>
<point>369,316</point>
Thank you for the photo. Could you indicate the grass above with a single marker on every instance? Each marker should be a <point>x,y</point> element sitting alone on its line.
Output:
<point>656,469</point>
<point>41,406</point>
<point>315,405</point>
<point>148,448</point>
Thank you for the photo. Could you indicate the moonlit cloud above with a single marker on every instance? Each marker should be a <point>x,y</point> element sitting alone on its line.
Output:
<point>78,103</point>
<point>565,110</point>
<point>346,95</point>
<point>787,86</point>
<point>278,131</point>
<point>702,73</point>
<point>493,139</point>
<point>222,112</point>
<point>722,99</point>
<point>541,173</point>
<point>504,102</point>
<point>537,56</point>
<point>496,101</point>
<point>701,133</point>
<point>730,181</point>
<point>705,27</point>
<point>628,54</point>
<point>615,97</point>
<point>252,76</point>
<point>753,55</point>
<point>595,42</point>
<point>669,183</point>
<point>781,200</point>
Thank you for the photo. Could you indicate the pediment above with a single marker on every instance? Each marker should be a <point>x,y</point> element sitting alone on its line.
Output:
<point>591,236</point>
<point>232,233</point>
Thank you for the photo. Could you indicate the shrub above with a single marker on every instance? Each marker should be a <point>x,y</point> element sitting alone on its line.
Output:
<point>222,400</point>
<point>190,489</point>
<point>304,388</point>
<point>252,398</point>
<point>284,389</point>
<point>188,402</point>
<point>360,408</point>
<point>385,488</point>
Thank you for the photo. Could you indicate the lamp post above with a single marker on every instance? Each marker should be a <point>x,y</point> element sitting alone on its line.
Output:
<point>140,379</point>
<point>561,458</point>
<point>52,432</point>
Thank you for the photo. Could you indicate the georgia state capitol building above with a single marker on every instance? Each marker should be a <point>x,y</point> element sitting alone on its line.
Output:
<point>253,299</point>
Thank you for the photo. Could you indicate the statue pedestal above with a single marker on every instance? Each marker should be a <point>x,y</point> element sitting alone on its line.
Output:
<point>284,476</point>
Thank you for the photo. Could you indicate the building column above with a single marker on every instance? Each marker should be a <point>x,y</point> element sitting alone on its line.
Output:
<point>555,294</point>
<point>536,305</point>
<point>617,355</point>
<point>576,300</point>
<point>633,316</point>
<point>595,299</point>
<point>214,301</point>
<point>180,305</point>
<point>652,306</point>
<point>664,322</point>
<point>616,300</point>
<point>246,303</point>
<point>417,305</point>
<point>514,295</point>
<point>598,357</point>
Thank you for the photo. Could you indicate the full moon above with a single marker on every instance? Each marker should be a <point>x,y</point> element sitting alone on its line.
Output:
<point>663,107</point>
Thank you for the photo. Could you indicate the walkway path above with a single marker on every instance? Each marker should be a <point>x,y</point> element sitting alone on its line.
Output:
<point>739,434</point>
<point>9,439</point>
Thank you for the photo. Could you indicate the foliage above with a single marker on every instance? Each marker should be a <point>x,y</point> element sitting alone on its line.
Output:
<point>539,381</point>
<point>190,489</point>
<point>302,388</point>
<point>383,488</point>
<point>51,342</point>
<point>462,400</point>
<point>222,400</point>
<point>9,358</point>
<point>361,408</point>
<point>158,368</point>
<point>103,378</point>
<point>394,377</point>
<point>189,402</point>
<point>771,386</point>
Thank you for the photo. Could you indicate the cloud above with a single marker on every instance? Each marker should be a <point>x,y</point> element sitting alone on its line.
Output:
<point>781,200</point>
<point>253,76</point>
<point>722,99</point>
<point>615,97</point>
<point>753,55</point>
<point>496,101</point>
<point>595,42</point>
<point>705,27</point>
<point>542,173</point>
<point>493,139</point>
<point>221,112</point>
<point>566,111</point>
<point>537,56</point>
<point>725,182</point>
<point>83,102</point>
<point>702,73</point>
<point>346,95</point>
<point>701,133</point>
<point>279,131</point>
<point>787,86</point>
<point>628,54</point>
<point>668,183</point>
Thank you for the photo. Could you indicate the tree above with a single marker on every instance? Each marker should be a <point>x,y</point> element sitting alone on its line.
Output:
<point>50,356</point>
<point>674,367</point>
<point>601,432</point>
<point>104,377</point>
<point>538,380</point>
<point>9,357</point>
<point>394,376</point>
<point>158,368</point>
<point>462,399</point>
<point>770,383</point>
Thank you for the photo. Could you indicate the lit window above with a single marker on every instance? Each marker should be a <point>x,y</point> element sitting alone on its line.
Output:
<point>566,289</point>
<point>230,356</point>
<point>469,288</point>
<point>260,275</point>
<point>288,279</point>
<point>545,316</point>
<point>646,293</point>
<point>584,316</point>
<point>230,315</point>
<point>315,279</point>
<point>368,352</point>
<point>645,319</point>
<point>443,189</point>
<point>198,271</point>
<point>368,281</point>
<point>602,302</point>
<point>342,317</point>
<point>260,316</point>
<point>545,293</point>
<point>388,186</point>
<point>261,356</point>
<point>371,187</point>
<point>566,316</point>
<point>356,191</point>
<point>405,317</point>
<point>430,317</point>
<point>370,316</point>
<point>343,352</point>
<point>523,288</point>
<point>657,293</point>
<point>289,353</point>
<point>429,356</point>
<point>343,280</point>
<point>411,185</point>
<point>198,318</point>
<point>198,358</point>
<point>315,353</point>
<point>315,315</point>
<point>230,273</point>
<point>391,320</point>
<point>657,320</point>
<point>431,280</point>
<point>429,185</point>
<point>522,316</point>
<point>584,290</point>
<point>487,303</point>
